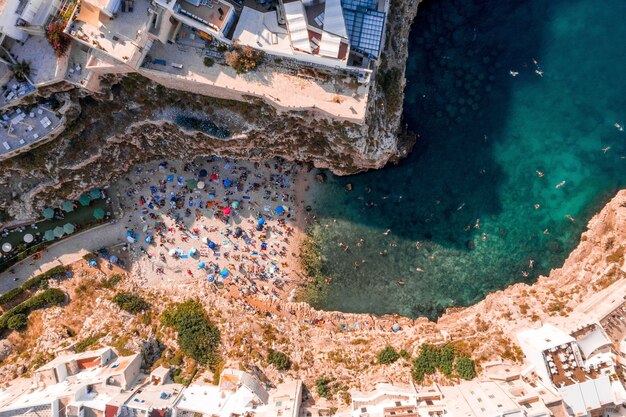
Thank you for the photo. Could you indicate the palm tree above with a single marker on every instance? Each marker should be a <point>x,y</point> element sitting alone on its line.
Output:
<point>21,70</point>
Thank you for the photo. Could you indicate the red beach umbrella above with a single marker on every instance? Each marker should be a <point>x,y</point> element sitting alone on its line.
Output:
<point>214,177</point>
<point>227,210</point>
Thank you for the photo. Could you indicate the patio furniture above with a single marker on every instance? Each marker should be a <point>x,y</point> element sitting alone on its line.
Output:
<point>35,136</point>
<point>22,141</point>
<point>6,146</point>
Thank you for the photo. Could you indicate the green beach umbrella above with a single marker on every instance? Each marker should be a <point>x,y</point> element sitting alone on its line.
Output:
<point>95,194</point>
<point>48,213</point>
<point>235,204</point>
<point>49,235</point>
<point>58,231</point>
<point>68,228</point>
<point>84,199</point>
<point>192,183</point>
<point>98,214</point>
<point>68,206</point>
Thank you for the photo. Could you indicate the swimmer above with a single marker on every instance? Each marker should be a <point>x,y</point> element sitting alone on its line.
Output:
<point>525,274</point>
<point>514,73</point>
<point>537,206</point>
<point>570,218</point>
<point>418,244</point>
<point>383,253</point>
<point>619,127</point>
<point>535,61</point>
<point>546,232</point>
<point>540,174</point>
<point>386,232</point>
<point>559,185</point>
<point>477,224</point>
<point>419,270</point>
<point>360,242</point>
<point>605,150</point>
<point>539,73</point>
<point>531,263</point>
<point>400,282</point>
<point>460,207</point>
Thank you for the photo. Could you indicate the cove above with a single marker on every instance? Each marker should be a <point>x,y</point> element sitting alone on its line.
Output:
<point>507,169</point>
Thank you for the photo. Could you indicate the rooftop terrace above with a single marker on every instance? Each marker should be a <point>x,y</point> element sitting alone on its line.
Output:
<point>22,128</point>
<point>565,368</point>
<point>38,52</point>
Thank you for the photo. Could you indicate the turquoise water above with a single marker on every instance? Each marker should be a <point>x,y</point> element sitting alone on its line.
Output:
<point>468,191</point>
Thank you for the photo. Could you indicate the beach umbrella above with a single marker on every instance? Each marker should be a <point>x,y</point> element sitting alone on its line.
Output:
<point>98,214</point>
<point>172,252</point>
<point>28,238</point>
<point>191,183</point>
<point>6,247</point>
<point>192,251</point>
<point>211,245</point>
<point>214,177</point>
<point>205,240</point>
<point>227,183</point>
<point>238,232</point>
<point>68,228</point>
<point>261,222</point>
<point>113,259</point>
<point>201,185</point>
<point>95,194</point>
<point>203,173</point>
<point>224,273</point>
<point>49,235</point>
<point>226,210</point>
<point>201,265</point>
<point>396,328</point>
<point>235,204</point>
<point>48,213</point>
<point>67,206</point>
<point>58,231</point>
<point>280,210</point>
<point>84,199</point>
<point>93,263</point>
<point>210,278</point>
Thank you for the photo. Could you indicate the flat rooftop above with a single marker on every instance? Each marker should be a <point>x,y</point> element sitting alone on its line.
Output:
<point>26,127</point>
<point>277,84</point>
<point>215,12</point>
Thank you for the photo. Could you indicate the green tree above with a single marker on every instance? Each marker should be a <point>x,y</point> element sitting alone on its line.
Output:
<point>388,355</point>
<point>17,322</point>
<point>280,360</point>
<point>323,387</point>
<point>445,360</point>
<point>466,368</point>
<point>21,70</point>
<point>208,62</point>
<point>130,302</point>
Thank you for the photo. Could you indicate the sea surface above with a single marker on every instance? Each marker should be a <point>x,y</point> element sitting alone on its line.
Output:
<point>507,169</point>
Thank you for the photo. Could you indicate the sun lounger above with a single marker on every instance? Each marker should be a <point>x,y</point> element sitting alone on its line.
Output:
<point>22,141</point>
<point>6,146</point>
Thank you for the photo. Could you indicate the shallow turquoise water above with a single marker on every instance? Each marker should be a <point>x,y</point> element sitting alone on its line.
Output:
<point>468,191</point>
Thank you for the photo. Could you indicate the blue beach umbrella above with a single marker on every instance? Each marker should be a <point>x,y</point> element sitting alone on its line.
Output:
<point>211,244</point>
<point>261,222</point>
<point>203,173</point>
<point>210,278</point>
<point>93,263</point>
<point>227,183</point>
<point>113,259</point>
<point>224,273</point>
<point>280,210</point>
<point>201,265</point>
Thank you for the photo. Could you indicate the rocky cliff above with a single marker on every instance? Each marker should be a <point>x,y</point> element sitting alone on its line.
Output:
<point>136,120</point>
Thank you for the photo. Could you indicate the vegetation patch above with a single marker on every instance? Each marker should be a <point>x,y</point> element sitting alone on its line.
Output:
<point>197,336</point>
<point>323,387</point>
<point>244,58</point>
<point>445,359</point>
<point>33,283</point>
<point>280,360</point>
<point>316,288</point>
<point>88,342</point>
<point>51,296</point>
<point>130,302</point>
<point>388,356</point>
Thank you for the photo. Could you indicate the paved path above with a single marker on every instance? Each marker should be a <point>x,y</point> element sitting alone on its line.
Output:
<point>64,252</point>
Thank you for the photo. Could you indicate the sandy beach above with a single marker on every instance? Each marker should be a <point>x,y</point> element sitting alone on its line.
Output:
<point>232,227</point>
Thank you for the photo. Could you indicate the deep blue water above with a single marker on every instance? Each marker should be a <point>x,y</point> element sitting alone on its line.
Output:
<point>470,192</point>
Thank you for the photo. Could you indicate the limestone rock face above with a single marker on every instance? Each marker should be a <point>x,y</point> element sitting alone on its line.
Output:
<point>5,349</point>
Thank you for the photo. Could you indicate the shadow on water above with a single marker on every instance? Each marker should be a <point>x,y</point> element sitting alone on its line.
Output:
<point>459,99</point>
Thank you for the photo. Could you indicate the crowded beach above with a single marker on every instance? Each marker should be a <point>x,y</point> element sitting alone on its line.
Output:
<point>233,227</point>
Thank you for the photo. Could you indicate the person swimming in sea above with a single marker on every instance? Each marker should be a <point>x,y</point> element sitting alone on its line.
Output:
<point>531,263</point>
<point>400,282</point>
<point>540,174</point>
<point>619,127</point>
<point>539,72</point>
<point>605,150</point>
<point>559,185</point>
<point>570,218</point>
<point>514,73</point>
<point>418,244</point>
<point>386,232</point>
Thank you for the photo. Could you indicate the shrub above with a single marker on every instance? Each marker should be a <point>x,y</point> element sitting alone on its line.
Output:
<point>51,296</point>
<point>87,342</point>
<point>323,387</point>
<point>197,336</point>
<point>465,368</point>
<point>130,302</point>
<point>35,282</point>
<point>243,58</point>
<point>17,321</point>
<point>21,70</point>
<point>111,282</point>
<point>405,355</point>
<point>59,41</point>
<point>279,360</point>
<point>388,355</point>
<point>208,62</point>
